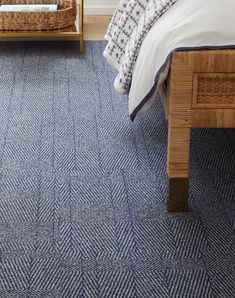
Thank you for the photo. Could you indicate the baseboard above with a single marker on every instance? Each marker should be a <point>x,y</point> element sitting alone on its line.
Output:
<point>99,10</point>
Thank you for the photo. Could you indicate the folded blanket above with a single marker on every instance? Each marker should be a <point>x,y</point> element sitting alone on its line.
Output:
<point>130,24</point>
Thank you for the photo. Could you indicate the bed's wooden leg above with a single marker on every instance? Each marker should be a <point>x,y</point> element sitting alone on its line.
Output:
<point>177,168</point>
<point>178,195</point>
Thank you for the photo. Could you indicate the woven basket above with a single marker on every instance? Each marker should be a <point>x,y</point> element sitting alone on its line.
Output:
<point>65,16</point>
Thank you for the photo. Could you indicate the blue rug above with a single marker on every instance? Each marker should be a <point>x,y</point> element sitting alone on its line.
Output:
<point>83,189</point>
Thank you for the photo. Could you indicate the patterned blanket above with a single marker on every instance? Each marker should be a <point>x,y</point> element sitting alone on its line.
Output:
<point>129,25</point>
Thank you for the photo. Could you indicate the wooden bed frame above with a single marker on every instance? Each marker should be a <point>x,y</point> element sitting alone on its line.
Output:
<point>200,93</point>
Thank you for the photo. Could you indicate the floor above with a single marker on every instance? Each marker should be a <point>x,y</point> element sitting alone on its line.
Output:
<point>83,189</point>
<point>95,27</point>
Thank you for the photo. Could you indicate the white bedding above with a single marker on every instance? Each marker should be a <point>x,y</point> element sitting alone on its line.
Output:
<point>130,24</point>
<point>189,24</point>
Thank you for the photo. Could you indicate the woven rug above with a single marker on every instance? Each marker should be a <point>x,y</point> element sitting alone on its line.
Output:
<point>83,189</point>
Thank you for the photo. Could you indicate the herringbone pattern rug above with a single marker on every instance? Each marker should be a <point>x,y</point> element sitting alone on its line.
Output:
<point>83,190</point>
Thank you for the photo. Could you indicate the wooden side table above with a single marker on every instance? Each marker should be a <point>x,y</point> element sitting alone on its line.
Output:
<point>70,33</point>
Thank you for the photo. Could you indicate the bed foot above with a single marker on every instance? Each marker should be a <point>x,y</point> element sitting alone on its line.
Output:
<point>178,195</point>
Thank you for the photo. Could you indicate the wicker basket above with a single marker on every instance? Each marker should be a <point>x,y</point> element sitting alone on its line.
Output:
<point>65,16</point>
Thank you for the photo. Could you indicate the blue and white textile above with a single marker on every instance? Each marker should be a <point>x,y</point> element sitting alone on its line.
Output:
<point>130,24</point>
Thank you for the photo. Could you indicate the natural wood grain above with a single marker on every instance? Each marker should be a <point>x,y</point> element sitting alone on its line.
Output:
<point>200,93</point>
<point>95,27</point>
<point>178,151</point>
<point>81,23</point>
<point>219,118</point>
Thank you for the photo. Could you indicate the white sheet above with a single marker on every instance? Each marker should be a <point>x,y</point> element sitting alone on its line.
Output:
<point>188,24</point>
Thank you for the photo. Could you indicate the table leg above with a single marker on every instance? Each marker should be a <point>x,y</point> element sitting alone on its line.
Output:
<point>81,45</point>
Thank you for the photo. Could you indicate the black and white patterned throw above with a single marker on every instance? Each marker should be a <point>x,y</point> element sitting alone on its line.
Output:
<point>130,24</point>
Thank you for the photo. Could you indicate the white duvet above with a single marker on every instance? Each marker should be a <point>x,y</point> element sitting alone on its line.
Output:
<point>189,24</point>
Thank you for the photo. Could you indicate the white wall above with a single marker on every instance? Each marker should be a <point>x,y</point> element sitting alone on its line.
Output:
<point>100,7</point>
